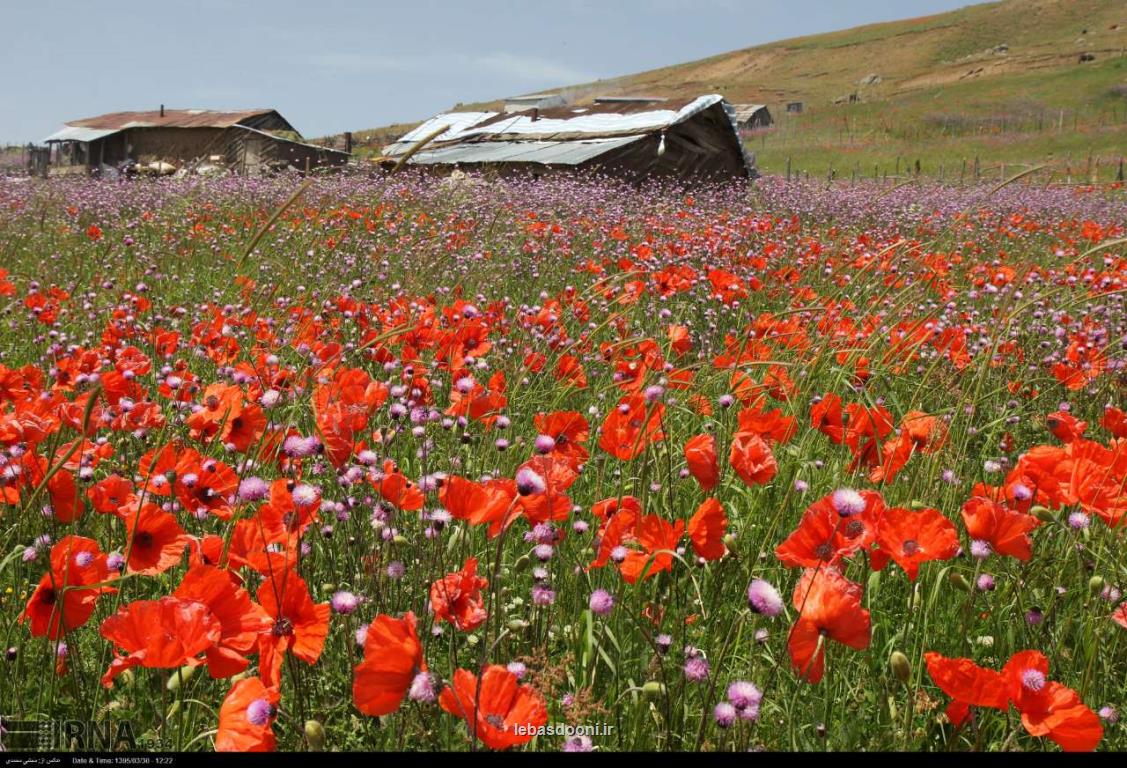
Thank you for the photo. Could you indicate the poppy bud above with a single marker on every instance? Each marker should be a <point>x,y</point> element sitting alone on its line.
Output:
<point>516,625</point>
<point>399,539</point>
<point>653,690</point>
<point>176,678</point>
<point>329,587</point>
<point>521,565</point>
<point>730,541</point>
<point>1096,584</point>
<point>314,735</point>
<point>900,665</point>
<point>1044,514</point>
<point>959,581</point>
<point>917,505</point>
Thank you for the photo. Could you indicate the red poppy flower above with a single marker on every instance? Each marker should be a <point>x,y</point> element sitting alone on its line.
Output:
<point>967,684</point>
<point>111,494</point>
<point>1006,531</point>
<point>650,547</point>
<point>487,503</point>
<point>503,704</point>
<point>1065,427</point>
<point>631,426</point>
<point>829,607</point>
<point>824,536</point>
<point>156,541</point>
<point>769,425</point>
<point>300,626</point>
<point>1120,615</point>
<point>398,490</point>
<point>568,430</point>
<point>221,404</point>
<point>1047,708</point>
<point>700,455</point>
<point>204,485</point>
<point>752,459</point>
<point>457,598</point>
<point>289,512</point>
<point>551,504</point>
<point>66,595</point>
<point>911,538</point>
<point>1114,421</point>
<point>707,528</point>
<point>250,547</point>
<point>393,656</point>
<point>826,417</point>
<point>246,716</point>
<point>241,620</point>
<point>164,634</point>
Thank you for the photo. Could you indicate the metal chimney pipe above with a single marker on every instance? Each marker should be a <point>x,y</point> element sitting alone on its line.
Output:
<point>162,110</point>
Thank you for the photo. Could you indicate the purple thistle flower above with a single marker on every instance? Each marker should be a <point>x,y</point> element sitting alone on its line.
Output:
<point>344,602</point>
<point>260,712</point>
<point>601,602</point>
<point>696,669</point>
<point>764,599</point>
<point>724,714</point>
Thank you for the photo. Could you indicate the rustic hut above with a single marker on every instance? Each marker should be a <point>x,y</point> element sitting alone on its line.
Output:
<point>252,141</point>
<point>751,116</point>
<point>680,138</point>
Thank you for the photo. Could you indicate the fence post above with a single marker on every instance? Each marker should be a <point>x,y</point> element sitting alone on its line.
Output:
<point>1119,176</point>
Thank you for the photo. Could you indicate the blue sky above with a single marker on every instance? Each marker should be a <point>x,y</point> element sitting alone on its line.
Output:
<point>330,65</point>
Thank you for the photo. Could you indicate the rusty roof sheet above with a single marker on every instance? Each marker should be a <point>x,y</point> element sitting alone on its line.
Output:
<point>173,118</point>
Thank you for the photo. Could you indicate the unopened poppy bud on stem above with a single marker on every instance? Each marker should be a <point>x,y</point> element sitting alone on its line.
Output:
<point>314,735</point>
<point>959,581</point>
<point>900,665</point>
<point>1096,584</point>
<point>653,690</point>
<point>174,680</point>
<point>1044,514</point>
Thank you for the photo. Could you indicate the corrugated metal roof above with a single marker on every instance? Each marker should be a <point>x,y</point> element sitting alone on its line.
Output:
<point>452,121</point>
<point>72,133</point>
<point>542,152</point>
<point>556,124</point>
<point>599,120</point>
<point>173,118</point>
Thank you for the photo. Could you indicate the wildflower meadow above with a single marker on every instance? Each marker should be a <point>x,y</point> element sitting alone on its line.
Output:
<point>358,463</point>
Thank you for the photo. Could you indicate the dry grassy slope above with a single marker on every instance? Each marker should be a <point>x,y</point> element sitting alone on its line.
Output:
<point>948,61</point>
<point>908,55</point>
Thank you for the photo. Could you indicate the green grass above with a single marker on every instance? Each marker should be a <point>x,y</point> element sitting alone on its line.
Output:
<point>1059,118</point>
